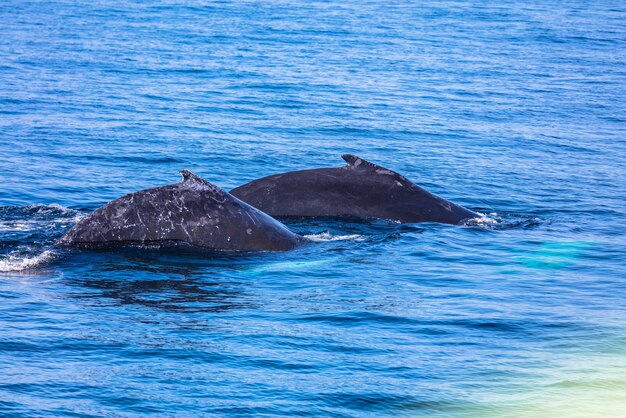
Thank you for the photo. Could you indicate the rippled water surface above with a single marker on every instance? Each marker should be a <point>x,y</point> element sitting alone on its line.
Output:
<point>515,110</point>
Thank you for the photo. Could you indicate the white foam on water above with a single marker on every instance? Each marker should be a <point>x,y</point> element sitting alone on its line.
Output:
<point>40,216</point>
<point>483,220</point>
<point>56,209</point>
<point>18,261</point>
<point>52,208</point>
<point>328,237</point>
<point>16,226</point>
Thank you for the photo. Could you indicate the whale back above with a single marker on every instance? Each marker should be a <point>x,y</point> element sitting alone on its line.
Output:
<point>359,189</point>
<point>192,211</point>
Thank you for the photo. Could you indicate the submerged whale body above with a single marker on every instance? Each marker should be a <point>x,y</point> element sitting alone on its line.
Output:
<point>193,211</point>
<point>359,189</point>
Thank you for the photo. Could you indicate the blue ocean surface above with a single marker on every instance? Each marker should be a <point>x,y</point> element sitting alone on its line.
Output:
<point>516,110</point>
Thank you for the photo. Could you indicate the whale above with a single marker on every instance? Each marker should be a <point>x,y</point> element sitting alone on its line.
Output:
<point>360,189</point>
<point>192,211</point>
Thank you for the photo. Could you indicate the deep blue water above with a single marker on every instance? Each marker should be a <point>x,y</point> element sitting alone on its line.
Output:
<point>513,109</point>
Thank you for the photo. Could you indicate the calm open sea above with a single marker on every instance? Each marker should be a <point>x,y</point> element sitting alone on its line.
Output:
<point>513,109</point>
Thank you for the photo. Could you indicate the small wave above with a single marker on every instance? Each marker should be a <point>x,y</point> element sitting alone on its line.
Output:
<point>15,226</point>
<point>18,261</point>
<point>483,220</point>
<point>51,209</point>
<point>496,222</point>
<point>39,209</point>
<point>328,237</point>
<point>56,210</point>
<point>45,209</point>
<point>36,217</point>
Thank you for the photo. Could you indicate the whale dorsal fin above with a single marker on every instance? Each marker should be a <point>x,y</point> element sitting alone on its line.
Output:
<point>355,162</point>
<point>192,181</point>
<point>189,176</point>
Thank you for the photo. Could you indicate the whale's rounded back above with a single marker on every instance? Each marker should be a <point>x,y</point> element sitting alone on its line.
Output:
<point>192,211</point>
<point>359,189</point>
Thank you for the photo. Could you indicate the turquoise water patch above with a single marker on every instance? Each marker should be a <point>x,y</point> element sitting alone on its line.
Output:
<point>553,255</point>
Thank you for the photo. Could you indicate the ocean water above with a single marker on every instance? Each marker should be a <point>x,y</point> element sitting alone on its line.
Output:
<point>513,109</point>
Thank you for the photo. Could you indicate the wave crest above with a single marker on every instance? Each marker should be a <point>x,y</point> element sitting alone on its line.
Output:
<point>328,237</point>
<point>19,261</point>
<point>37,217</point>
<point>483,220</point>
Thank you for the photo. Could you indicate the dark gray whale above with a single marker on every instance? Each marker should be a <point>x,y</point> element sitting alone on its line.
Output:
<point>359,189</point>
<point>192,211</point>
